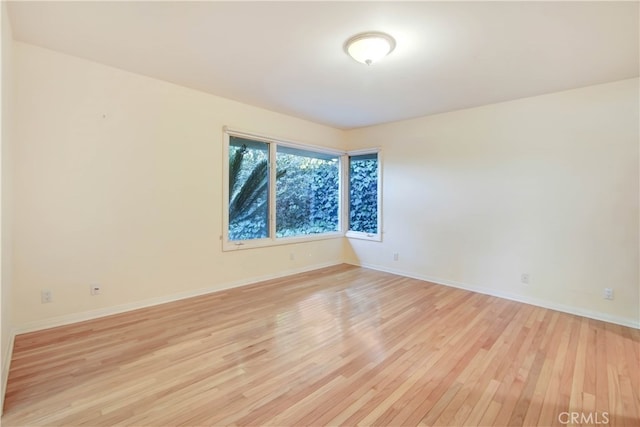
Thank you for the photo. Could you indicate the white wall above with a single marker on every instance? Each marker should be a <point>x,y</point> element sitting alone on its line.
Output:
<point>6,330</point>
<point>118,182</point>
<point>546,186</point>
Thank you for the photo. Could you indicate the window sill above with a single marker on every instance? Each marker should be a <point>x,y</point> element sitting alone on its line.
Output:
<point>229,246</point>
<point>364,236</point>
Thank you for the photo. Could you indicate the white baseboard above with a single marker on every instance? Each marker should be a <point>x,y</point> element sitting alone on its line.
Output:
<point>6,365</point>
<point>122,308</point>
<point>519,298</point>
<point>108,311</point>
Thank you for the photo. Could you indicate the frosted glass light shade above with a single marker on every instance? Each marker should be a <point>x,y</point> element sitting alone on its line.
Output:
<point>369,47</point>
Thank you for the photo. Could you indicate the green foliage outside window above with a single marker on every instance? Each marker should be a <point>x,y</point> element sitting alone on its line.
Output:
<point>307,197</point>
<point>307,192</point>
<point>363,193</point>
<point>248,190</point>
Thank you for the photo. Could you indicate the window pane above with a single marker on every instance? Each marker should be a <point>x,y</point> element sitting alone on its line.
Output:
<point>307,192</point>
<point>248,189</point>
<point>363,193</point>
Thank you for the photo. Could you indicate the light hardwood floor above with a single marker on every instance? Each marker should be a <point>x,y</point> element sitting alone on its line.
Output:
<point>338,346</point>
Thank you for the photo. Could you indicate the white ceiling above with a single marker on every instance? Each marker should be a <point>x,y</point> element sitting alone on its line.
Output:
<point>288,56</point>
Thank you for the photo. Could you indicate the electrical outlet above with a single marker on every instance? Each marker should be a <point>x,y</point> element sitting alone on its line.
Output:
<point>46,296</point>
<point>396,256</point>
<point>95,289</point>
<point>607,293</point>
<point>291,256</point>
<point>525,279</point>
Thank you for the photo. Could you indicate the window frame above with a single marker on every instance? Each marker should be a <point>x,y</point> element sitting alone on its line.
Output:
<point>376,237</point>
<point>271,239</point>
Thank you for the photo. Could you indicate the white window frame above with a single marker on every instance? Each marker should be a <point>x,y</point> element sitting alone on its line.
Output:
<point>271,239</point>
<point>377,237</point>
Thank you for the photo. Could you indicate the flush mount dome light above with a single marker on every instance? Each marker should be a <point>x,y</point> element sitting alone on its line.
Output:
<point>369,47</point>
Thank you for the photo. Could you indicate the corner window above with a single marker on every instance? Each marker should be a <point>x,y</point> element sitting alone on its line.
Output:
<point>364,195</point>
<point>277,192</point>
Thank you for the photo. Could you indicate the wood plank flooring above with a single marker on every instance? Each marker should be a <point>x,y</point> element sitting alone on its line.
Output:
<point>338,346</point>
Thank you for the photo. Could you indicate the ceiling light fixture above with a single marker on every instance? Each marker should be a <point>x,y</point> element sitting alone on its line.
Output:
<point>369,47</point>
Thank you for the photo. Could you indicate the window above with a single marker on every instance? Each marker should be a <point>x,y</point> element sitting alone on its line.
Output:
<point>364,195</point>
<point>248,189</point>
<point>277,192</point>
<point>307,192</point>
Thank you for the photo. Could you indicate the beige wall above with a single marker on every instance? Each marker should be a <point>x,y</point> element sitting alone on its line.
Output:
<point>119,183</point>
<point>5,215</point>
<point>546,186</point>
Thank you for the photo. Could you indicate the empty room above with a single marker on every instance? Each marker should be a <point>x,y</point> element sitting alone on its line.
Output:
<point>320,213</point>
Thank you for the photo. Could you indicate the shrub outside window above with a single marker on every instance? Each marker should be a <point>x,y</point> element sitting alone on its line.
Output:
<point>364,195</point>
<point>278,192</point>
<point>307,192</point>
